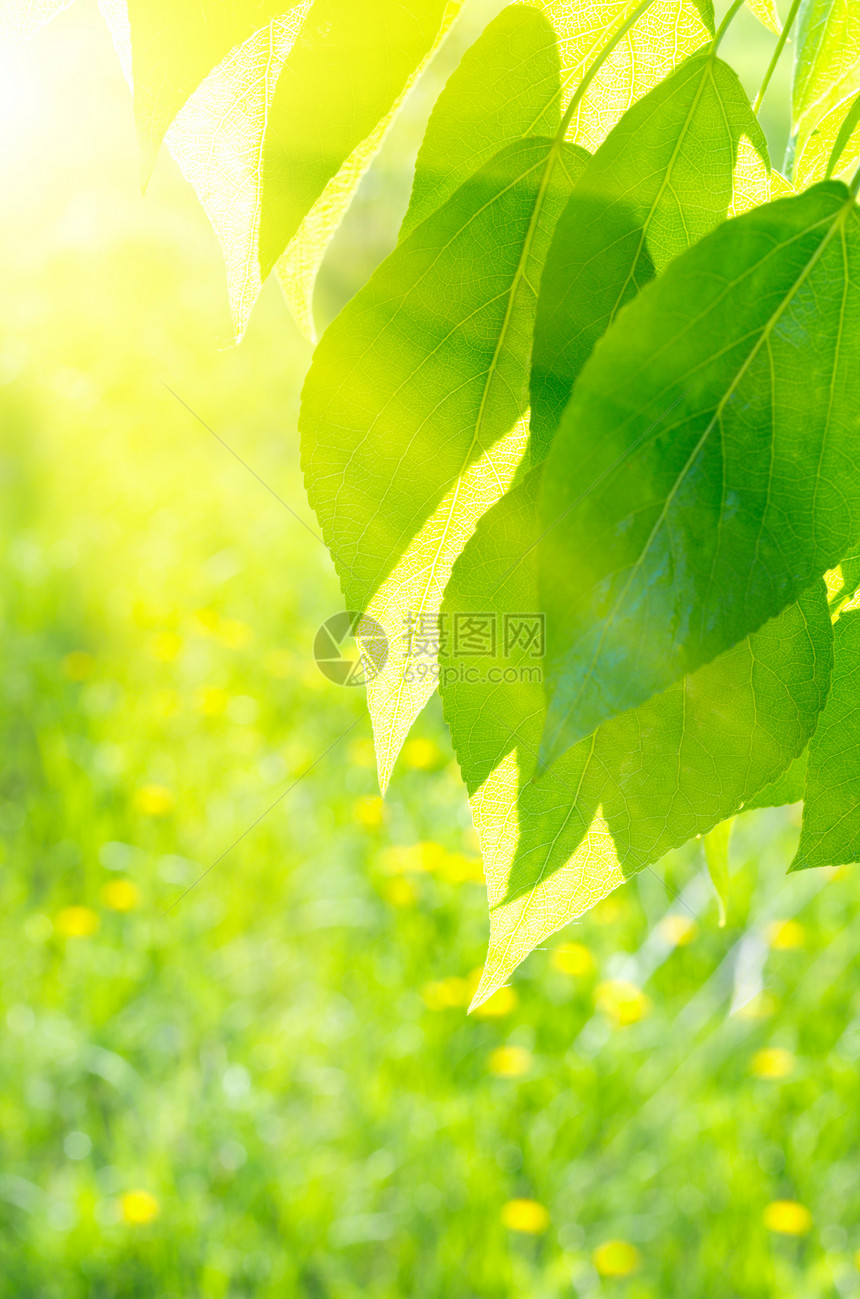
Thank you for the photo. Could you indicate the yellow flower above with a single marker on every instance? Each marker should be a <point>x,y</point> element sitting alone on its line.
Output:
<point>573,958</point>
<point>78,665</point>
<point>369,812</point>
<point>457,868</point>
<point>138,1207</point>
<point>402,858</point>
<point>399,892</point>
<point>788,1217</point>
<point>678,930</point>
<point>616,1258</point>
<point>786,935</point>
<point>502,1002</point>
<point>208,619</point>
<point>525,1215</point>
<point>76,922</point>
<point>772,1062</point>
<point>447,993</point>
<point>510,1061</point>
<point>166,646</point>
<point>121,895</point>
<point>422,754</point>
<point>212,700</point>
<point>621,1001</point>
<point>154,800</point>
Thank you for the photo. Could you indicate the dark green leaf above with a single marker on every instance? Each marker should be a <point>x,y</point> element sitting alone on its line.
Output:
<point>707,468</point>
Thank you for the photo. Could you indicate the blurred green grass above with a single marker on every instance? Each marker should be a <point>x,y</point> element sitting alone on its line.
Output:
<point>267,1085</point>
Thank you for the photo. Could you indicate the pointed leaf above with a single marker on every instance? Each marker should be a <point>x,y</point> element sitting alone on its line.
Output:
<point>834,144</point>
<point>787,788</point>
<point>827,62</point>
<point>830,834</point>
<point>502,90</point>
<point>644,783</point>
<point>175,44</point>
<point>411,414</point>
<point>765,11</point>
<point>670,171</point>
<point>706,468</point>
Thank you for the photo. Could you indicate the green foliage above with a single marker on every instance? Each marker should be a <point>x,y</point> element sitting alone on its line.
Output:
<point>606,379</point>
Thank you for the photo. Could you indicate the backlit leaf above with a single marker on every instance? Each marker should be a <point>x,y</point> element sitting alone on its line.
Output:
<point>766,12</point>
<point>706,469</point>
<point>644,783</point>
<point>827,62</point>
<point>836,141</point>
<point>671,170</point>
<point>412,411</point>
<point>830,834</point>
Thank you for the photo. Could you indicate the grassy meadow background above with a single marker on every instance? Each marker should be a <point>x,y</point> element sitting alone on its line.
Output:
<point>235,1060</point>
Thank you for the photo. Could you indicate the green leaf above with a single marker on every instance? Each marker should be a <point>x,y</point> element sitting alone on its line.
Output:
<point>676,164</point>
<point>507,84</point>
<point>787,788</point>
<point>644,783</point>
<point>765,11</point>
<point>342,78</point>
<point>716,849</point>
<point>412,410</point>
<point>827,62</point>
<point>175,44</point>
<point>706,468</point>
<point>830,834</point>
<point>833,146</point>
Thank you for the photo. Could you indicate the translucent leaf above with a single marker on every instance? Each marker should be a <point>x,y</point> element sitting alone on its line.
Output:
<point>412,411</point>
<point>706,468</point>
<point>827,62</point>
<point>21,19</point>
<point>765,11</point>
<point>830,834</point>
<point>644,783</point>
<point>787,788</point>
<point>175,44</point>
<point>837,135</point>
<point>502,91</point>
<point>672,169</point>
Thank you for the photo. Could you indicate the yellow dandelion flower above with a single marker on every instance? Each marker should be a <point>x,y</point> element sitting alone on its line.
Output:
<point>772,1062</point>
<point>574,959</point>
<point>76,922</point>
<point>788,1217</point>
<point>457,868</point>
<point>502,1002</point>
<point>138,1207</point>
<point>369,812</point>
<point>78,665</point>
<point>444,994</point>
<point>154,800</point>
<point>679,931</point>
<point>399,892</point>
<point>121,895</point>
<point>422,754</point>
<point>212,701</point>
<point>621,1001</point>
<point>165,646</point>
<point>786,935</point>
<point>525,1215</point>
<point>207,619</point>
<point>510,1061</point>
<point>616,1258</point>
<point>419,857</point>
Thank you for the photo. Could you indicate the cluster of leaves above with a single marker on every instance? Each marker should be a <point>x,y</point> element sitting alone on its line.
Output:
<point>609,376</point>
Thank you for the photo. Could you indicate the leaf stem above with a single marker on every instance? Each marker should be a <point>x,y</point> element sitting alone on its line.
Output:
<point>777,54</point>
<point>581,90</point>
<point>727,21</point>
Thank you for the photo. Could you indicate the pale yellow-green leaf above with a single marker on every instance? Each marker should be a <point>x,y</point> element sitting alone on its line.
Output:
<point>21,19</point>
<point>813,156</point>
<point>765,12</point>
